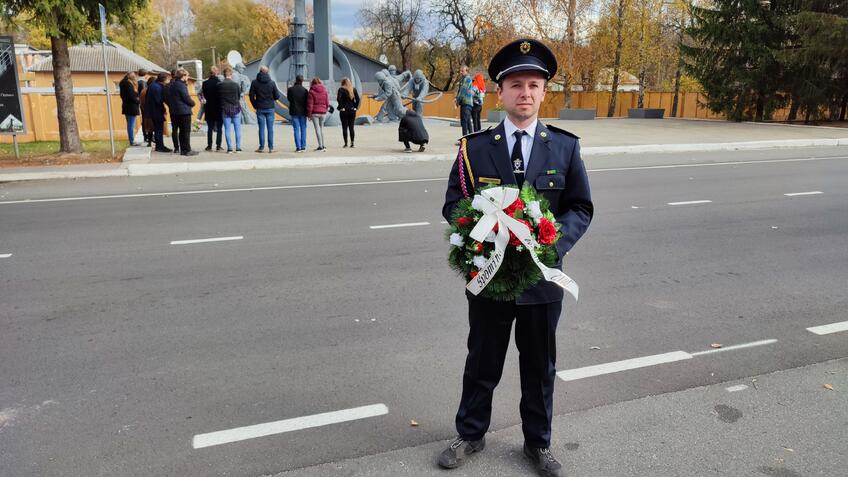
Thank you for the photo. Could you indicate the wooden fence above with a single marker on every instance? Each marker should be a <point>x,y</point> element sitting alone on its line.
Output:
<point>42,124</point>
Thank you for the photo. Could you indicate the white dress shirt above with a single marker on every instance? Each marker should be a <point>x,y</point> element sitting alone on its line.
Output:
<point>526,140</point>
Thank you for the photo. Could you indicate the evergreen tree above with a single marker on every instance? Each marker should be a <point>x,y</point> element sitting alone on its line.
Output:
<point>816,59</point>
<point>735,56</point>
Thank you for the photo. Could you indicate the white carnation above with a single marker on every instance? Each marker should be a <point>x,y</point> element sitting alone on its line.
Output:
<point>479,261</point>
<point>456,240</point>
<point>477,202</point>
<point>535,210</point>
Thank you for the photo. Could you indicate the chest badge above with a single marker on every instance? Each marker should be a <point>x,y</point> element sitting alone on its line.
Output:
<point>497,137</point>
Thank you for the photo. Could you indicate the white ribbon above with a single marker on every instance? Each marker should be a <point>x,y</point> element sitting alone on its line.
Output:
<point>495,200</point>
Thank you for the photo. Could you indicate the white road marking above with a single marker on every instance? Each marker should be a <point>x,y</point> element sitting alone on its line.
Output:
<point>690,202</point>
<point>627,364</point>
<point>287,425</point>
<point>392,226</point>
<point>828,329</point>
<point>738,387</point>
<point>739,346</point>
<point>214,239</point>
<point>645,361</point>
<point>402,181</point>
<point>812,192</point>
<point>5,255</point>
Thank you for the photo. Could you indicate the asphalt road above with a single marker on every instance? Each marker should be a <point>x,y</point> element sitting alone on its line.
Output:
<point>118,347</point>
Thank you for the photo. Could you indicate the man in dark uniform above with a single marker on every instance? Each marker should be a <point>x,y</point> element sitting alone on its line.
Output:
<point>520,149</point>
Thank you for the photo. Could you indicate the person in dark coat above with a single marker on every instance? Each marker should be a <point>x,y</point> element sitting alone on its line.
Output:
<point>263,96</point>
<point>297,94</point>
<point>411,130</point>
<point>154,107</point>
<point>212,113</point>
<point>128,88</point>
<point>146,133</point>
<point>348,100</point>
<point>519,150</point>
<point>180,104</point>
<point>229,93</point>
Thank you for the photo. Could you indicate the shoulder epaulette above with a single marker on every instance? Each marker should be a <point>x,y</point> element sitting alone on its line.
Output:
<point>563,131</point>
<point>470,135</point>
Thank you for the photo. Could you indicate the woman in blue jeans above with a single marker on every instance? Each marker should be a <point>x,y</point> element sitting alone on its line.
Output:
<point>228,91</point>
<point>128,88</point>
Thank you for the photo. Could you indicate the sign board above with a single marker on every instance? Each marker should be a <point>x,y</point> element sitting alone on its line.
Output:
<point>11,109</point>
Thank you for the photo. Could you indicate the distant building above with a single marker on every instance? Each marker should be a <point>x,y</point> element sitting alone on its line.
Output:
<point>626,81</point>
<point>87,66</point>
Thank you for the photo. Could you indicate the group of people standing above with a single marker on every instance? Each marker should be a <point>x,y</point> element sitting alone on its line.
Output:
<point>220,98</point>
<point>469,98</point>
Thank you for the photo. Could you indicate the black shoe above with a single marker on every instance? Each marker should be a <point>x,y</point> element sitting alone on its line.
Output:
<point>209,148</point>
<point>545,462</point>
<point>219,148</point>
<point>190,153</point>
<point>421,148</point>
<point>261,149</point>
<point>454,456</point>
<point>163,149</point>
<point>345,145</point>
<point>351,144</point>
<point>407,150</point>
<point>319,148</point>
<point>270,151</point>
<point>176,151</point>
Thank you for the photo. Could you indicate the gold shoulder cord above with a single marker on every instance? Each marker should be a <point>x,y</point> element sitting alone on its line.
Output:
<point>464,147</point>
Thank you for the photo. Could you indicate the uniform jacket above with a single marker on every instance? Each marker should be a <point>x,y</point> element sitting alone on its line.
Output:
<point>557,172</point>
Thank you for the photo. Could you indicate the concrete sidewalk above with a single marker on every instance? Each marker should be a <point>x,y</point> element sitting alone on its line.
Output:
<point>784,424</point>
<point>378,143</point>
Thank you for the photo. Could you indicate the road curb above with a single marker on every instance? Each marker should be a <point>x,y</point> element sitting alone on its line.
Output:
<point>141,166</point>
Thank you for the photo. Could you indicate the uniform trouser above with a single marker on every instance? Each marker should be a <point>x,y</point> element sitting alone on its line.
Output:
<point>488,339</point>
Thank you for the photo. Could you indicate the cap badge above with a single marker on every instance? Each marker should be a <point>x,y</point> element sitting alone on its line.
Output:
<point>524,47</point>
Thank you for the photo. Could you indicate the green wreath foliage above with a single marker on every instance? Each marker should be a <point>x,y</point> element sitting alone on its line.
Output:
<point>517,272</point>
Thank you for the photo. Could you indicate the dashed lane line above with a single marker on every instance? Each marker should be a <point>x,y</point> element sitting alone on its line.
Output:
<point>734,347</point>
<point>287,425</point>
<point>393,226</point>
<point>646,361</point>
<point>401,181</point>
<point>690,202</point>
<point>204,240</point>
<point>796,194</point>
<point>738,387</point>
<point>828,329</point>
<point>5,255</point>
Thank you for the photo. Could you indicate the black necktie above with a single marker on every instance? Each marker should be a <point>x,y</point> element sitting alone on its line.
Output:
<point>518,158</point>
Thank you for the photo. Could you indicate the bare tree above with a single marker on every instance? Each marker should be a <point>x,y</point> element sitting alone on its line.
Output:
<point>616,68</point>
<point>395,24</point>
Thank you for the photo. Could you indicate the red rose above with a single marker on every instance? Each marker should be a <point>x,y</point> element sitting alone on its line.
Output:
<point>547,232</point>
<point>478,247</point>
<point>463,221</point>
<point>474,274</point>
<point>518,204</point>
<point>513,240</point>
